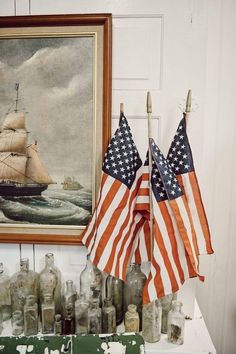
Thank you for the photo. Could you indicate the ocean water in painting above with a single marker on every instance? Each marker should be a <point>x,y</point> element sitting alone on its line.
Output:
<point>53,207</point>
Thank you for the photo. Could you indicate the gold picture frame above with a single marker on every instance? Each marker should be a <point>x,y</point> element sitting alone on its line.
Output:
<point>25,40</point>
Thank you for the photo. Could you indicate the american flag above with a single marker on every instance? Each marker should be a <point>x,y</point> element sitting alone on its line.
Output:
<point>174,257</point>
<point>111,236</point>
<point>181,161</point>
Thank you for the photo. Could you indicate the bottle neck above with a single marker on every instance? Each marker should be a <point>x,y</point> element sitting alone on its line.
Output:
<point>69,286</point>
<point>1,269</point>
<point>24,265</point>
<point>136,267</point>
<point>49,260</point>
<point>177,306</point>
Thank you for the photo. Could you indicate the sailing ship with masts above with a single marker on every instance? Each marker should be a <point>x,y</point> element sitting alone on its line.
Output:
<point>21,170</point>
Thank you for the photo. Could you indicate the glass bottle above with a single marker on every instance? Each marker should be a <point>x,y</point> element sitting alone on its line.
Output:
<point>133,289</point>
<point>69,296</point>
<point>17,323</point>
<point>68,326</point>
<point>1,324</point>
<point>58,324</point>
<point>5,294</point>
<point>23,284</point>
<point>132,319</point>
<point>94,317</point>
<point>91,281</point>
<point>31,316</point>
<point>81,315</point>
<point>48,313</point>
<point>175,324</point>
<point>50,282</point>
<point>166,303</point>
<point>152,313</point>
<point>114,291</point>
<point>108,317</point>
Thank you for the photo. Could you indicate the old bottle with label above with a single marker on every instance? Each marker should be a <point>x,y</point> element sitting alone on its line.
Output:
<point>108,317</point>
<point>31,316</point>
<point>133,289</point>
<point>69,296</point>
<point>114,291</point>
<point>5,294</point>
<point>91,281</point>
<point>17,323</point>
<point>68,324</point>
<point>81,315</point>
<point>166,304</point>
<point>94,317</point>
<point>48,313</point>
<point>132,319</point>
<point>175,324</point>
<point>50,282</point>
<point>151,329</point>
<point>22,284</point>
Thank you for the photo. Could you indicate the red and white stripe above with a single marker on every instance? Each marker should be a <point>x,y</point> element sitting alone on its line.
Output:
<point>189,185</point>
<point>172,263</point>
<point>111,234</point>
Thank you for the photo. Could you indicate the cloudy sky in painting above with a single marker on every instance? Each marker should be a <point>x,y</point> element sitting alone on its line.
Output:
<point>56,88</point>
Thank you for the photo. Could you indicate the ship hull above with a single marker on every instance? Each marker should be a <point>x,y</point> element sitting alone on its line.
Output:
<point>21,190</point>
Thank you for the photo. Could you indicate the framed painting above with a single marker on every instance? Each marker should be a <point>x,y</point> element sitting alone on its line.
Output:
<point>55,112</point>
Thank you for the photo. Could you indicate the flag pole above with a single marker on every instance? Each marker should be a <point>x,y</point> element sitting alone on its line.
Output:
<point>121,108</point>
<point>149,117</point>
<point>188,102</point>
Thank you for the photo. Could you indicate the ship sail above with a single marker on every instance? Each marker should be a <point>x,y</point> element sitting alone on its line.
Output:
<point>21,171</point>
<point>13,141</point>
<point>14,120</point>
<point>12,167</point>
<point>35,171</point>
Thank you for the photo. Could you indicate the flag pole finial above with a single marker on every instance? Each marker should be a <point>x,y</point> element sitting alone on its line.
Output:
<point>149,103</point>
<point>188,102</point>
<point>122,108</point>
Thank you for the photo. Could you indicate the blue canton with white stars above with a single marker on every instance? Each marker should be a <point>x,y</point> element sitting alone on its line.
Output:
<point>180,155</point>
<point>164,182</point>
<point>122,159</point>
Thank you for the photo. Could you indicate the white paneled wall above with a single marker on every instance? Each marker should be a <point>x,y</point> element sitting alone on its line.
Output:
<point>166,47</point>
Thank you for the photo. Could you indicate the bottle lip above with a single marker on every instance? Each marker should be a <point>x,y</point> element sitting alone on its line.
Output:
<point>132,308</point>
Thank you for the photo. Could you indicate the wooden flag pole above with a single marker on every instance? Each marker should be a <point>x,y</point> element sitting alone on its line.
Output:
<point>188,102</point>
<point>149,117</point>
<point>122,108</point>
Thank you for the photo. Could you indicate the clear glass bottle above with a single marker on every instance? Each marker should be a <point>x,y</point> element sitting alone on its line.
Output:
<point>22,284</point>
<point>68,326</point>
<point>152,313</point>
<point>94,317</point>
<point>5,294</point>
<point>81,315</point>
<point>166,304</point>
<point>108,317</point>
<point>48,313</point>
<point>132,319</point>
<point>91,281</point>
<point>50,282</point>
<point>133,289</point>
<point>17,323</point>
<point>114,291</point>
<point>175,324</point>
<point>58,324</point>
<point>31,316</point>
<point>1,321</point>
<point>69,296</point>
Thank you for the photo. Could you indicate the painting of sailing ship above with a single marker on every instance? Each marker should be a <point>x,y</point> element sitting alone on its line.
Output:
<point>46,105</point>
